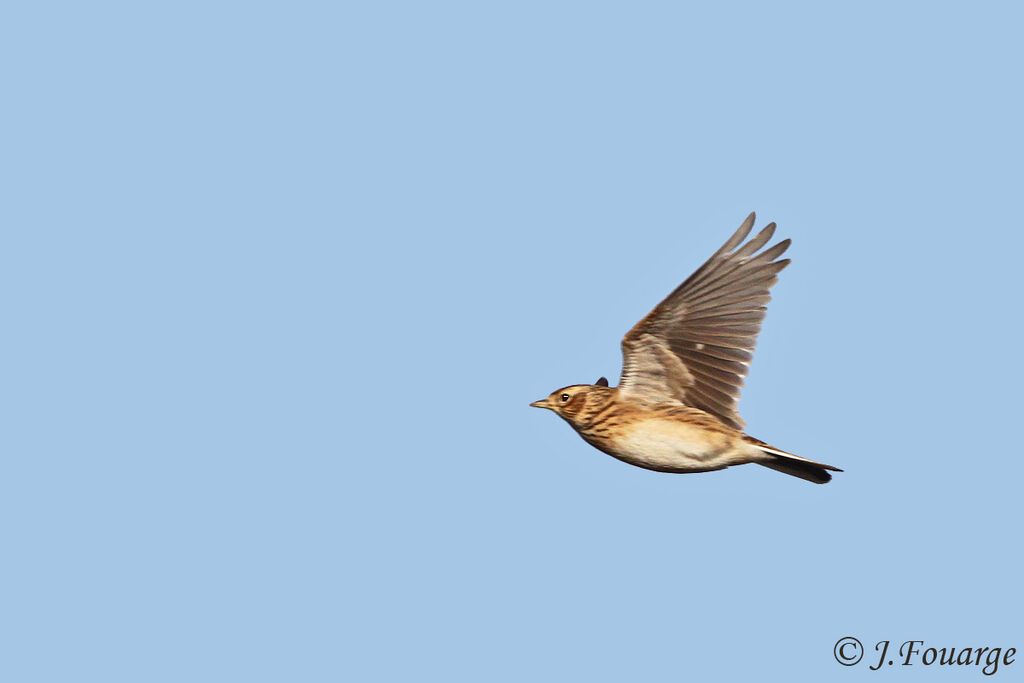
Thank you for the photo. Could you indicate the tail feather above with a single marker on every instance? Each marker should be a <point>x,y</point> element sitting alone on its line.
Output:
<point>793,465</point>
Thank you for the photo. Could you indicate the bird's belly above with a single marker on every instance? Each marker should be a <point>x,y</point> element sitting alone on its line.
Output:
<point>671,446</point>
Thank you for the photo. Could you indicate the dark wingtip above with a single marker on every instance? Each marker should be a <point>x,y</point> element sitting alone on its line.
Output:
<point>601,382</point>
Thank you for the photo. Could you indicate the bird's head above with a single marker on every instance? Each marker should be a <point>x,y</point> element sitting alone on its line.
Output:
<point>572,402</point>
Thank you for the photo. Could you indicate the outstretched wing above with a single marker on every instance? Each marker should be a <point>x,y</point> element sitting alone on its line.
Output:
<point>695,347</point>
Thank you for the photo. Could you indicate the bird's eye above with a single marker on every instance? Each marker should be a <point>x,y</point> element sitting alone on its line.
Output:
<point>565,397</point>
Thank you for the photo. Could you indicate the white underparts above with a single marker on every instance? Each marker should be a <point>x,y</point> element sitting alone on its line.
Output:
<point>677,446</point>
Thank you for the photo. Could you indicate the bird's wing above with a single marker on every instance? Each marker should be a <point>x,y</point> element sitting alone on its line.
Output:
<point>695,347</point>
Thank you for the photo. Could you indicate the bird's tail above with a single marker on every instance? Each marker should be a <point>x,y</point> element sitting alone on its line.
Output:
<point>794,465</point>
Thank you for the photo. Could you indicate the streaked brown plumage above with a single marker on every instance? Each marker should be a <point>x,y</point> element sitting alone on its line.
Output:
<point>683,368</point>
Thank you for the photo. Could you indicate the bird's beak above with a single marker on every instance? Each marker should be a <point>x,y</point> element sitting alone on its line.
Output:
<point>540,404</point>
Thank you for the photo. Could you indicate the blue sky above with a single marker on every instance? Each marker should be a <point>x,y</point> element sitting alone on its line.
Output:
<point>279,282</point>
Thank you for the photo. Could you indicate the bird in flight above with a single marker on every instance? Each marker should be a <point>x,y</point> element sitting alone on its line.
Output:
<point>682,371</point>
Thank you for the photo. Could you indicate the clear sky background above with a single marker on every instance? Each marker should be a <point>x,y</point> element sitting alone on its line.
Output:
<point>278,282</point>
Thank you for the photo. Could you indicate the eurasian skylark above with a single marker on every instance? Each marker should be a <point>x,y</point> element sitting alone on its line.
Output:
<point>683,368</point>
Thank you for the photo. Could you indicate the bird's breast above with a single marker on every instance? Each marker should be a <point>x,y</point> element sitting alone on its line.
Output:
<point>665,445</point>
